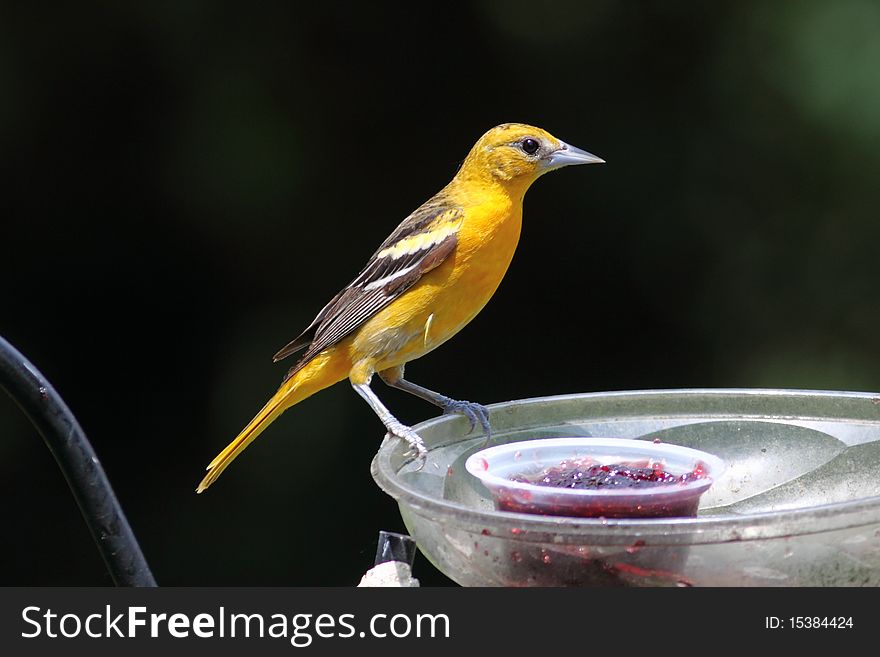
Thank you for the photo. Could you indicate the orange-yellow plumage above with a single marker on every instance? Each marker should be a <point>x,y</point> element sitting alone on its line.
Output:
<point>424,284</point>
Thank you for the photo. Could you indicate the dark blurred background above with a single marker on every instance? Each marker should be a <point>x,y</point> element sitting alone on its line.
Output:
<point>186,184</point>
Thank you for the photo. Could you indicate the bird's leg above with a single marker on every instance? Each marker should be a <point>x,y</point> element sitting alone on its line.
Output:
<point>472,411</point>
<point>394,426</point>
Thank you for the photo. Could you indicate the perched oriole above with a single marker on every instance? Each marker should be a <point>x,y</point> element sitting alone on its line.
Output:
<point>432,275</point>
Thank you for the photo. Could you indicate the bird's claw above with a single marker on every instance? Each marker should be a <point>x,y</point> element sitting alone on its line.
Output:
<point>417,447</point>
<point>473,412</point>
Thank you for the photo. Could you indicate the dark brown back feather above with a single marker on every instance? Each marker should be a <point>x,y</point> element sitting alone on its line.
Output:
<point>361,299</point>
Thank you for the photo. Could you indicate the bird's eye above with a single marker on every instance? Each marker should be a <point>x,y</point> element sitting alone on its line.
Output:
<point>529,145</point>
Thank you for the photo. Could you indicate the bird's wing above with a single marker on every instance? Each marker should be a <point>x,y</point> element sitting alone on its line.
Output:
<point>419,244</point>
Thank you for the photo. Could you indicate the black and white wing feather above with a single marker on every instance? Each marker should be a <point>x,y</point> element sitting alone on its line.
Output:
<point>419,244</point>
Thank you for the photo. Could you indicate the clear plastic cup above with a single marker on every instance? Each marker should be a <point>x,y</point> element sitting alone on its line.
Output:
<point>495,466</point>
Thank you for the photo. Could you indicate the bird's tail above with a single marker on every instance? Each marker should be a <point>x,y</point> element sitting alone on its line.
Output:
<point>317,375</point>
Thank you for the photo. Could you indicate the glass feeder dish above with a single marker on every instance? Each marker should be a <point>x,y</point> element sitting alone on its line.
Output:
<point>798,505</point>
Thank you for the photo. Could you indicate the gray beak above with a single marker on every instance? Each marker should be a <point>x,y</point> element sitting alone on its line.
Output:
<point>568,154</point>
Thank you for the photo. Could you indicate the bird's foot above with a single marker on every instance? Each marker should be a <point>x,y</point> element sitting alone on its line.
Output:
<point>417,447</point>
<point>472,411</point>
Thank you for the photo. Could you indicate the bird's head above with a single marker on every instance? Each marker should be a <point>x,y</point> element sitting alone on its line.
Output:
<point>515,155</point>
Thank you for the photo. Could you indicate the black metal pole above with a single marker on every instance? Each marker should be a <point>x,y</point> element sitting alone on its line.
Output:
<point>77,460</point>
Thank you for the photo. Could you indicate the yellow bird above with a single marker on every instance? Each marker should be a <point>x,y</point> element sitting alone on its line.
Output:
<point>432,276</point>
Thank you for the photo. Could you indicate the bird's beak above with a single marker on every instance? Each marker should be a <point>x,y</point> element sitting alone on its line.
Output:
<point>567,154</point>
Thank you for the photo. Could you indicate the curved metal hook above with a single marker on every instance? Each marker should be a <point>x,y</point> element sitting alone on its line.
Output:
<point>79,464</point>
